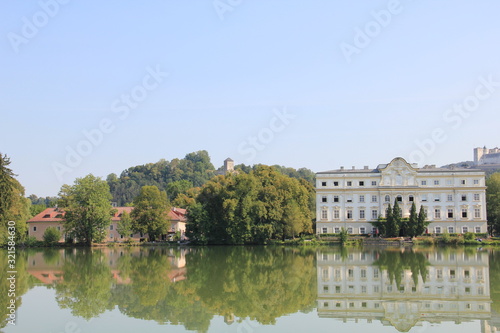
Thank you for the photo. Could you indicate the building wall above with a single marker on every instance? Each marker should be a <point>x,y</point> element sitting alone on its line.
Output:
<point>37,229</point>
<point>455,200</point>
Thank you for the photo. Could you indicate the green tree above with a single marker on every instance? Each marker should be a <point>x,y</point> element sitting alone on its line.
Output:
<point>51,235</point>
<point>391,226</point>
<point>177,188</point>
<point>493,202</point>
<point>88,209</point>
<point>412,221</point>
<point>150,214</point>
<point>421,222</point>
<point>124,226</point>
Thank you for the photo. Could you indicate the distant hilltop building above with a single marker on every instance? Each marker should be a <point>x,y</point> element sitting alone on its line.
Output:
<point>484,156</point>
<point>227,168</point>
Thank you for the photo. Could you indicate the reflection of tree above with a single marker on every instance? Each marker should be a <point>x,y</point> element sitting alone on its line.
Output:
<point>22,282</point>
<point>495,280</point>
<point>258,283</point>
<point>86,288</point>
<point>395,262</point>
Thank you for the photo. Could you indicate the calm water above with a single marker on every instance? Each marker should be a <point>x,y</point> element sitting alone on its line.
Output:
<point>255,289</point>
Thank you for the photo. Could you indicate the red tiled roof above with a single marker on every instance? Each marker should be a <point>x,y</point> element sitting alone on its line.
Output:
<point>57,215</point>
<point>48,215</point>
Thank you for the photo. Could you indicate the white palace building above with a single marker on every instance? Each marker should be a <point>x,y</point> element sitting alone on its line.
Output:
<point>453,198</point>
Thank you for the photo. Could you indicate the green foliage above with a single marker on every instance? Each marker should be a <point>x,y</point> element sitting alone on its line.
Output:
<point>421,222</point>
<point>344,236</point>
<point>251,208</point>
<point>195,169</point>
<point>124,226</point>
<point>88,209</point>
<point>13,205</point>
<point>51,235</point>
<point>150,214</point>
<point>469,236</point>
<point>411,227</point>
<point>493,201</point>
<point>391,226</point>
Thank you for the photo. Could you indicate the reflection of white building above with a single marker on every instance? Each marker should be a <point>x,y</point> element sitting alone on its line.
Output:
<point>454,199</point>
<point>456,288</point>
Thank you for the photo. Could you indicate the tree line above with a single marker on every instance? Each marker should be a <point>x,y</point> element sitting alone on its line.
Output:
<point>394,225</point>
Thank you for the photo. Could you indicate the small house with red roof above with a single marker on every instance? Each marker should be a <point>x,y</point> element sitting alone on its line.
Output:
<point>54,217</point>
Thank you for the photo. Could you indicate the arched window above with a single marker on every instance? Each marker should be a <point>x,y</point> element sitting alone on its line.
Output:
<point>411,198</point>
<point>399,198</point>
<point>387,198</point>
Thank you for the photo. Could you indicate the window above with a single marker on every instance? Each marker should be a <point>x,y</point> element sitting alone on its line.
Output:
<point>361,198</point>
<point>323,183</point>
<point>387,198</point>
<point>335,198</point>
<point>452,273</point>
<point>324,214</point>
<point>437,197</point>
<point>423,182</point>
<point>349,230</point>
<point>336,214</point>
<point>411,198</point>
<point>111,227</point>
<point>362,230</point>
<point>465,229</point>
<point>324,199</point>
<point>423,197</point>
<point>374,183</point>
<point>476,196</point>
<point>477,213</point>
<point>110,235</point>
<point>34,228</point>
<point>476,181</point>
<point>374,214</point>
<point>374,198</point>
<point>464,212</point>
<point>337,230</point>
<point>437,213</point>
<point>349,214</point>
<point>463,182</point>
<point>399,198</point>
<point>324,230</point>
<point>451,230</point>
<point>477,230</point>
<point>362,214</point>
<point>449,182</point>
<point>361,183</point>
<point>437,230</point>
<point>436,182</point>
<point>59,228</point>
<point>450,213</point>
<point>449,197</point>
<point>335,183</point>
<point>375,273</point>
<point>374,230</point>
<point>464,197</point>
<point>349,183</point>
<point>349,199</point>
<point>350,272</point>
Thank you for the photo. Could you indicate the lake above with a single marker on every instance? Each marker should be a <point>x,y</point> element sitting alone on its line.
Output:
<point>254,289</point>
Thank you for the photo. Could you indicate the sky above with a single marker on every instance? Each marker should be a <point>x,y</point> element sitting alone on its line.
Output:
<point>100,86</point>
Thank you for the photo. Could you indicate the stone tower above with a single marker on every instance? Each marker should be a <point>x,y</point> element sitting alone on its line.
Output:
<point>228,165</point>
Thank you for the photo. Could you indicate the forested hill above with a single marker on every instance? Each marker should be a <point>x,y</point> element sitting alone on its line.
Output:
<point>178,176</point>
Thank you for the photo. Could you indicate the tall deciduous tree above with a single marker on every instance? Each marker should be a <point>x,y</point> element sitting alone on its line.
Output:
<point>88,209</point>
<point>13,205</point>
<point>150,214</point>
<point>493,201</point>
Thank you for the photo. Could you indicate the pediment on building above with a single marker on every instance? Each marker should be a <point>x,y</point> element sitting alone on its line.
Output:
<point>398,173</point>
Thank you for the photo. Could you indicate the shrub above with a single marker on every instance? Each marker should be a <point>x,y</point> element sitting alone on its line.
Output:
<point>469,236</point>
<point>31,241</point>
<point>51,235</point>
<point>344,236</point>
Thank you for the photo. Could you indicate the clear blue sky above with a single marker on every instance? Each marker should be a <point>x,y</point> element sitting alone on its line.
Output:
<point>361,82</point>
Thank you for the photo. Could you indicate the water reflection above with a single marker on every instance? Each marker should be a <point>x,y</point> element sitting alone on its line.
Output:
<point>404,288</point>
<point>191,286</point>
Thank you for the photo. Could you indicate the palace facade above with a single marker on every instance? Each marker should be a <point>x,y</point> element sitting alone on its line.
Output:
<point>454,199</point>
